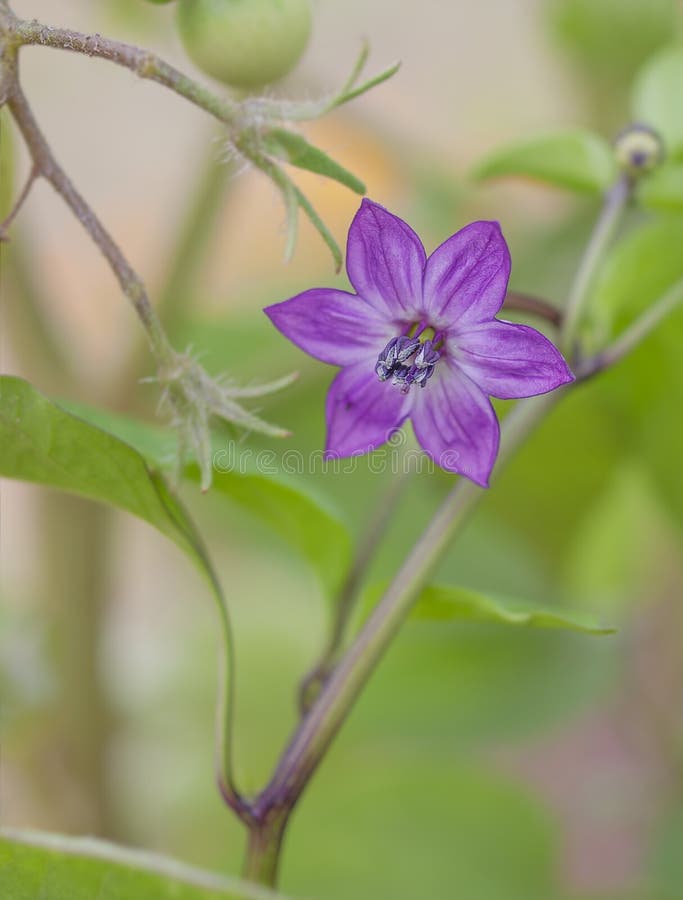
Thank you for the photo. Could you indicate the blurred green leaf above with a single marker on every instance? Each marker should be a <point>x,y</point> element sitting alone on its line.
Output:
<point>645,390</point>
<point>44,444</point>
<point>445,603</point>
<point>429,826</point>
<point>639,270</point>
<point>299,518</point>
<point>578,160</point>
<point>666,861</point>
<point>618,553</point>
<point>609,39</point>
<point>294,149</point>
<point>474,684</point>
<point>290,508</point>
<point>657,96</point>
<point>663,189</point>
<point>55,867</point>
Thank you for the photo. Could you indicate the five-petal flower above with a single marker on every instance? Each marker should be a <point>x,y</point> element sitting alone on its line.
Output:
<point>419,340</point>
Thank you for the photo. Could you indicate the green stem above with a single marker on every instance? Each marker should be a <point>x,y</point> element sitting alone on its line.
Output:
<point>264,846</point>
<point>348,594</point>
<point>190,247</point>
<point>317,730</point>
<point>636,333</point>
<point>613,208</point>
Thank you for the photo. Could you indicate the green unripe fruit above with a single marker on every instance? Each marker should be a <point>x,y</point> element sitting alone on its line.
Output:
<point>245,43</point>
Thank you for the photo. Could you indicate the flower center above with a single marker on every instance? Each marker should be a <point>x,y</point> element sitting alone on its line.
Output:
<point>408,360</point>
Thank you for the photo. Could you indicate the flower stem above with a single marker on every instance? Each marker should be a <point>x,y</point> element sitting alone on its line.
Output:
<point>348,594</point>
<point>635,334</point>
<point>613,207</point>
<point>315,733</point>
<point>264,845</point>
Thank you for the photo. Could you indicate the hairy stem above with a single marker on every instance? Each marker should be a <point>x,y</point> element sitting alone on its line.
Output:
<point>47,166</point>
<point>613,207</point>
<point>142,62</point>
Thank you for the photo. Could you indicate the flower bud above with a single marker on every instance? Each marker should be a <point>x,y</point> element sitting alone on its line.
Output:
<point>638,149</point>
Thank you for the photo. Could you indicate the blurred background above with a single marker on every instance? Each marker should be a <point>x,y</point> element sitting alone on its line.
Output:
<point>481,762</point>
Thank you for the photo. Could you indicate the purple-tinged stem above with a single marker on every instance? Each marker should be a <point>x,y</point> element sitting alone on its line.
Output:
<point>348,593</point>
<point>315,733</point>
<point>635,334</point>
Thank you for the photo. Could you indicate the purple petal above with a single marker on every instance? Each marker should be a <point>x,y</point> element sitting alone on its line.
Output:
<point>362,412</point>
<point>385,261</point>
<point>466,277</point>
<point>508,360</point>
<point>456,425</point>
<point>334,326</point>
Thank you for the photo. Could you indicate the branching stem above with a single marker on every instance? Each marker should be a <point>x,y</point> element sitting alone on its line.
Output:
<point>19,202</point>
<point>46,166</point>
<point>142,62</point>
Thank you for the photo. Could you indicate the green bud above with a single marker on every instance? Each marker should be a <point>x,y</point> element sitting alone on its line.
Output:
<point>638,149</point>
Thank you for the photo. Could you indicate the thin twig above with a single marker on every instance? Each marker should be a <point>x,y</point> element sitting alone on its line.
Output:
<point>21,199</point>
<point>144,63</point>
<point>635,334</point>
<point>614,204</point>
<point>47,166</point>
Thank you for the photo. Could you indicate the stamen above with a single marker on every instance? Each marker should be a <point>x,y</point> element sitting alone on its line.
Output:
<point>392,361</point>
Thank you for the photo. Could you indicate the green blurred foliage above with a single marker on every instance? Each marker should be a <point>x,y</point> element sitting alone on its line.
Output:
<point>606,42</point>
<point>80,870</point>
<point>577,160</point>
<point>657,97</point>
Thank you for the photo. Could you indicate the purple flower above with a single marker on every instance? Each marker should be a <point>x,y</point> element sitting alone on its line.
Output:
<point>419,340</point>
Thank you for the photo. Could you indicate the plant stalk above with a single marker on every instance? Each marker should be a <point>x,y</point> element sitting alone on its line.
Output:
<point>608,221</point>
<point>317,730</point>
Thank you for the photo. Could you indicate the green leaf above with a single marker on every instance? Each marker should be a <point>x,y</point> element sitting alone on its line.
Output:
<point>54,867</point>
<point>295,150</point>
<point>289,508</point>
<point>446,603</point>
<point>296,516</point>
<point>413,822</point>
<point>657,93</point>
<point>577,160</point>
<point>320,227</point>
<point>440,602</point>
<point>639,270</point>
<point>644,391</point>
<point>663,189</point>
<point>609,39</point>
<point>42,443</point>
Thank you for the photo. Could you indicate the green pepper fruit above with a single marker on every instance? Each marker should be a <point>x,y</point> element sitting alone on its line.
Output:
<point>245,43</point>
